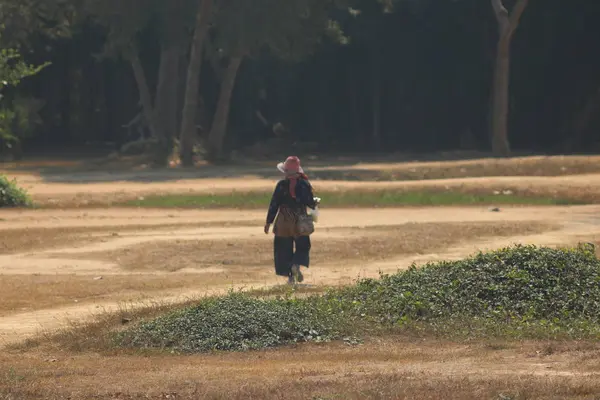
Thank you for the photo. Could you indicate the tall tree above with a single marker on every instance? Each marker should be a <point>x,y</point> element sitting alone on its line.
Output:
<point>204,16</point>
<point>174,38</point>
<point>365,27</point>
<point>125,21</point>
<point>507,25</point>
<point>290,30</point>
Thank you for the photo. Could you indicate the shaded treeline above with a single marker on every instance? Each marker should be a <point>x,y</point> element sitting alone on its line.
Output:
<point>418,78</point>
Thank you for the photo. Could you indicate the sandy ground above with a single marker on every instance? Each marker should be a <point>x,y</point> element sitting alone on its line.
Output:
<point>65,265</point>
<point>92,260</point>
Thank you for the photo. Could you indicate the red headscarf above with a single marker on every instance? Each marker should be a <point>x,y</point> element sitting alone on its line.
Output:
<point>293,171</point>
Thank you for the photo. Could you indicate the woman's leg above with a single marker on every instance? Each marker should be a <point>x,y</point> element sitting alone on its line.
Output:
<point>283,251</point>
<point>302,253</point>
<point>301,257</point>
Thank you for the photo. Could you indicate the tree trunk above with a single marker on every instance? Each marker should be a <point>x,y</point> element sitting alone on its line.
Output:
<point>188,118</point>
<point>166,101</point>
<point>500,103</point>
<point>507,24</point>
<point>376,102</point>
<point>144,92</point>
<point>218,129</point>
<point>582,121</point>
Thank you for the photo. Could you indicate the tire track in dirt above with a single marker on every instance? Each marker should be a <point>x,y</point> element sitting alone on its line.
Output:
<point>56,260</point>
<point>575,222</point>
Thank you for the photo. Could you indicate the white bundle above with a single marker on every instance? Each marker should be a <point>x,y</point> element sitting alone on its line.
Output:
<point>315,213</point>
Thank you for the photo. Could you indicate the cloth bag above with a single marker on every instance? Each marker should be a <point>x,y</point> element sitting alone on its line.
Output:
<point>305,225</point>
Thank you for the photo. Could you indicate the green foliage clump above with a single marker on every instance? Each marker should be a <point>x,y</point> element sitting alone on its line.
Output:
<point>235,322</point>
<point>19,117</point>
<point>11,195</point>
<point>517,292</point>
<point>523,283</point>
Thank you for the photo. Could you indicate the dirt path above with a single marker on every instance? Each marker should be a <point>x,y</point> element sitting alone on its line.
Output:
<point>575,223</point>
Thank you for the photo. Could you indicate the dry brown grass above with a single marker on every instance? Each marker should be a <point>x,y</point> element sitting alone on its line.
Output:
<point>22,293</point>
<point>115,189</point>
<point>560,189</point>
<point>354,167</point>
<point>382,368</point>
<point>150,269</point>
<point>24,240</point>
<point>94,335</point>
<point>519,166</point>
<point>363,245</point>
<point>569,194</point>
<point>357,245</point>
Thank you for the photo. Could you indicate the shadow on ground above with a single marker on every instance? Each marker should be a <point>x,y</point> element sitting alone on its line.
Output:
<point>319,167</point>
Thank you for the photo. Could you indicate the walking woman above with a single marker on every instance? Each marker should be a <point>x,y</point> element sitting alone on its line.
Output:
<point>288,206</point>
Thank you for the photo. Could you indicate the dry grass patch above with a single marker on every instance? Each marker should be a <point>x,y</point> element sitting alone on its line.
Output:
<point>24,240</point>
<point>561,194</point>
<point>14,241</point>
<point>226,261</point>
<point>380,243</point>
<point>519,166</point>
<point>22,293</point>
<point>94,335</point>
<point>387,367</point>
<point>357,245</point>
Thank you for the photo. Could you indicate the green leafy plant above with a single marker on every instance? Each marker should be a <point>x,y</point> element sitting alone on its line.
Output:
<point>11,195</point>
<point>235,322</point>
<point>522,283</point>
<point>13,69</point>
<point>18,118</point>
<point>517,292</point>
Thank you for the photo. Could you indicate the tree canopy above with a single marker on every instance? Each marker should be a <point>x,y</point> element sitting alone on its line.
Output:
<point>347,75</point>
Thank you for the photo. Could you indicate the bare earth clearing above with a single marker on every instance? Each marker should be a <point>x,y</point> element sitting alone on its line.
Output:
<point>66,264</point>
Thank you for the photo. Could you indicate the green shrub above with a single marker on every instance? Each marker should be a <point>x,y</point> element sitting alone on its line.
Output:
<point>522,282</point>
<point>11,195</point>
<point>235,322</point>
<point>517,292</point>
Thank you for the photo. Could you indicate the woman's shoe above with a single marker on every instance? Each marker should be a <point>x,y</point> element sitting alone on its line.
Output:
<point>296,274</point>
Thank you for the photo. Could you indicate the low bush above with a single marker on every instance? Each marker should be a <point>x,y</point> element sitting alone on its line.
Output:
<point>522,291</point>
<point>519,282</point>
<point>236,322</point>
<point>11,195</point>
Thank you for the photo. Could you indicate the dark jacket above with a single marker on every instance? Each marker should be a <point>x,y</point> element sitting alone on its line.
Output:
<point>286,208</point>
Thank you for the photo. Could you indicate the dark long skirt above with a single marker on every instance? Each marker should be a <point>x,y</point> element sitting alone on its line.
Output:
<point>285,256</point>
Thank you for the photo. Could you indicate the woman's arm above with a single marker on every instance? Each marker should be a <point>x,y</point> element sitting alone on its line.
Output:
<point>275,203</point>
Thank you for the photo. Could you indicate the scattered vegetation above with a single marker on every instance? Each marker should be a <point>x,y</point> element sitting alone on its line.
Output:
<point>236,322</point>
<point>522,291</point>
<point>347,198</point>
<point>11,195</point>
<point>517,292</point>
